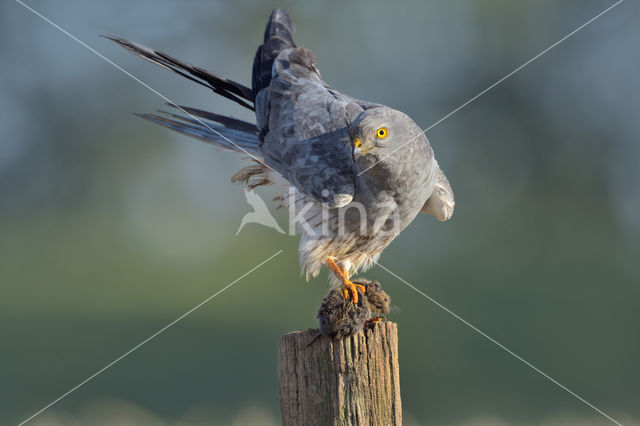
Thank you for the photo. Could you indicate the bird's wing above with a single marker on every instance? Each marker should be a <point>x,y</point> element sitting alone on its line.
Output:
<point>321,167</point>
<point>304,123</point>
<point>223,86</point>
<point>441,203</point>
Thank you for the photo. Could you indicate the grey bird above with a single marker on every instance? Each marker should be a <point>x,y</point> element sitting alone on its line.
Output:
<point>353,173</point>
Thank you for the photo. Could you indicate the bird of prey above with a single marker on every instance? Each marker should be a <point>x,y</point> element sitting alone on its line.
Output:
<point>355,173</point>
<point>260,213</point>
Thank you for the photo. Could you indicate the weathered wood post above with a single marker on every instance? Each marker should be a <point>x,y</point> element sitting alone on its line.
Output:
<point>352,381</point>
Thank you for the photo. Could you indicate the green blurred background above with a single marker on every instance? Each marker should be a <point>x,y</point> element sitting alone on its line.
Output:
<point>111,227</point>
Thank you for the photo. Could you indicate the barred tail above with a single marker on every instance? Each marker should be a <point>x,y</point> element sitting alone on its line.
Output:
<point>226,132</point>
<point>220,85</point>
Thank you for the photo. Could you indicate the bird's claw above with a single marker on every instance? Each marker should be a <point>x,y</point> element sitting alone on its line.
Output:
<point>373,320</point>
<point>351,289</point>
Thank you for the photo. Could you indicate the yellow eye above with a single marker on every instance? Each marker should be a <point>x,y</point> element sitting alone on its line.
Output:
<point>382,133</point>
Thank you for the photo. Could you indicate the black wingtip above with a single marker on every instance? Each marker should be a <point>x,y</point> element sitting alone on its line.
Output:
<point>280,23</point>
<point>226,121</point>
<point>220,85</point>
<point>114,38</point>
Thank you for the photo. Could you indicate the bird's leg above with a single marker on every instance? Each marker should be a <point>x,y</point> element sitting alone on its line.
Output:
<point>347,286</point>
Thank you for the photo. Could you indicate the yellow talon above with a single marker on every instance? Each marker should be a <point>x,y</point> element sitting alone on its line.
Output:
<point>373,320</point>
<point>347,286</point>
<point>352,288</point>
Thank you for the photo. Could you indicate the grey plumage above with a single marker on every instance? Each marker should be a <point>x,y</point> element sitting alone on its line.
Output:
<point>278,35</point>
<point>441,203</point>
<point>220,85</point>
<point>225,137</point>
<point>323,148</point>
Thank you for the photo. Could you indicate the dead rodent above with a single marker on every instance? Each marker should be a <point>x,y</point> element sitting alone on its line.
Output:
<point>339,317</point>
<point>379,301</point>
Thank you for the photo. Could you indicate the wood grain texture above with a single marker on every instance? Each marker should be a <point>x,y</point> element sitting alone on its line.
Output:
<point>353,381</point>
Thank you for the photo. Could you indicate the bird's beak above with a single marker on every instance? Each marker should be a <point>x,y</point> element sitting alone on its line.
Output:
<point>357,147</point>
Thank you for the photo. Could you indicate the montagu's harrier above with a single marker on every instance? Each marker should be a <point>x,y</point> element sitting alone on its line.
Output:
<point>354,173</point>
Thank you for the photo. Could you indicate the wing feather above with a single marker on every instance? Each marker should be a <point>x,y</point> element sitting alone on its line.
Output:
<point>441,202</point>
<point>305,127</point>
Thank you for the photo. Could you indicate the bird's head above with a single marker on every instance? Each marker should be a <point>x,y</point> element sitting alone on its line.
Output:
<point>377,133</point>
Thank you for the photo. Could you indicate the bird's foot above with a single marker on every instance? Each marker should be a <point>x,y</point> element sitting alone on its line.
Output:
<point>351,289</point>
<point>373,320</point>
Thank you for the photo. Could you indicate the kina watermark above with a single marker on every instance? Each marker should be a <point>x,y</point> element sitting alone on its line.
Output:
<point>316,219</point>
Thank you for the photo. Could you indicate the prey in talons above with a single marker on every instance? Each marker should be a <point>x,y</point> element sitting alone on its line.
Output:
<point>348,287</point>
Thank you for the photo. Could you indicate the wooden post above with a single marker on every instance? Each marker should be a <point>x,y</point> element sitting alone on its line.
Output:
<point>340,382</point>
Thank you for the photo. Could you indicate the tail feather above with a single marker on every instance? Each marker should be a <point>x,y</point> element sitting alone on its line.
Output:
<point>278,35</point>
<point>230,122</point>
<point>225,132</point>
<point>220,85</point>
<point>224,137</point>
